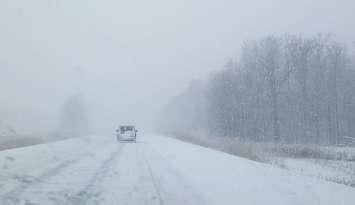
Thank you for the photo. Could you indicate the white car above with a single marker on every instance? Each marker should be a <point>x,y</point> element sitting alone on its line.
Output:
<point>126,133</point>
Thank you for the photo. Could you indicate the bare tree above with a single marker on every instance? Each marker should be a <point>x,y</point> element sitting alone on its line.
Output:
<point>292,88</point>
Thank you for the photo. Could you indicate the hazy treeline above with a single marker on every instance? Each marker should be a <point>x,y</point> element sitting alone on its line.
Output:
<point>286,88</point>
<point>75,117</point>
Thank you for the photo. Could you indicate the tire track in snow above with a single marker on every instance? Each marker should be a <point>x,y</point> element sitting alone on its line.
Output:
<point>154,181</point>
<point>88,194</point>
<point>12,195</point>
<point>186,194</point>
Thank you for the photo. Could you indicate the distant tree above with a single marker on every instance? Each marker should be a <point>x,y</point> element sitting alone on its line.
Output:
<point>75,116</point>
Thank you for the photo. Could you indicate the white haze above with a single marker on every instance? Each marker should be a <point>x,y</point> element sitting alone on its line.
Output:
<point>129,57</point>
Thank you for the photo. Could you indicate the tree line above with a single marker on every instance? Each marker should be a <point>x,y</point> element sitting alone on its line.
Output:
<point>282,88</point>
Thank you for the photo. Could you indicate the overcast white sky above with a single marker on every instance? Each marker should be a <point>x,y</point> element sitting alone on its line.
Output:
<point>128,57</point>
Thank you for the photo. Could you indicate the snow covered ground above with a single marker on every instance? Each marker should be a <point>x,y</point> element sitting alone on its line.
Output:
<point>155,170</point>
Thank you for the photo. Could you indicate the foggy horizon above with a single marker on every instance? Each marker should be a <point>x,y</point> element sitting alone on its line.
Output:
<point>128,59</point>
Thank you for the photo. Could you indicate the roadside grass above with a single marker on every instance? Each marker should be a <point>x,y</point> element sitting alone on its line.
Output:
<point>17,141</point>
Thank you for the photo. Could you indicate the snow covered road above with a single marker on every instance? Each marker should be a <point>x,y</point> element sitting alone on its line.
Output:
<point>155,170</point>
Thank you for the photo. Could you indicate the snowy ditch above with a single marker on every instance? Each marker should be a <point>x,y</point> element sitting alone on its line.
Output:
<point>336,164</point>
